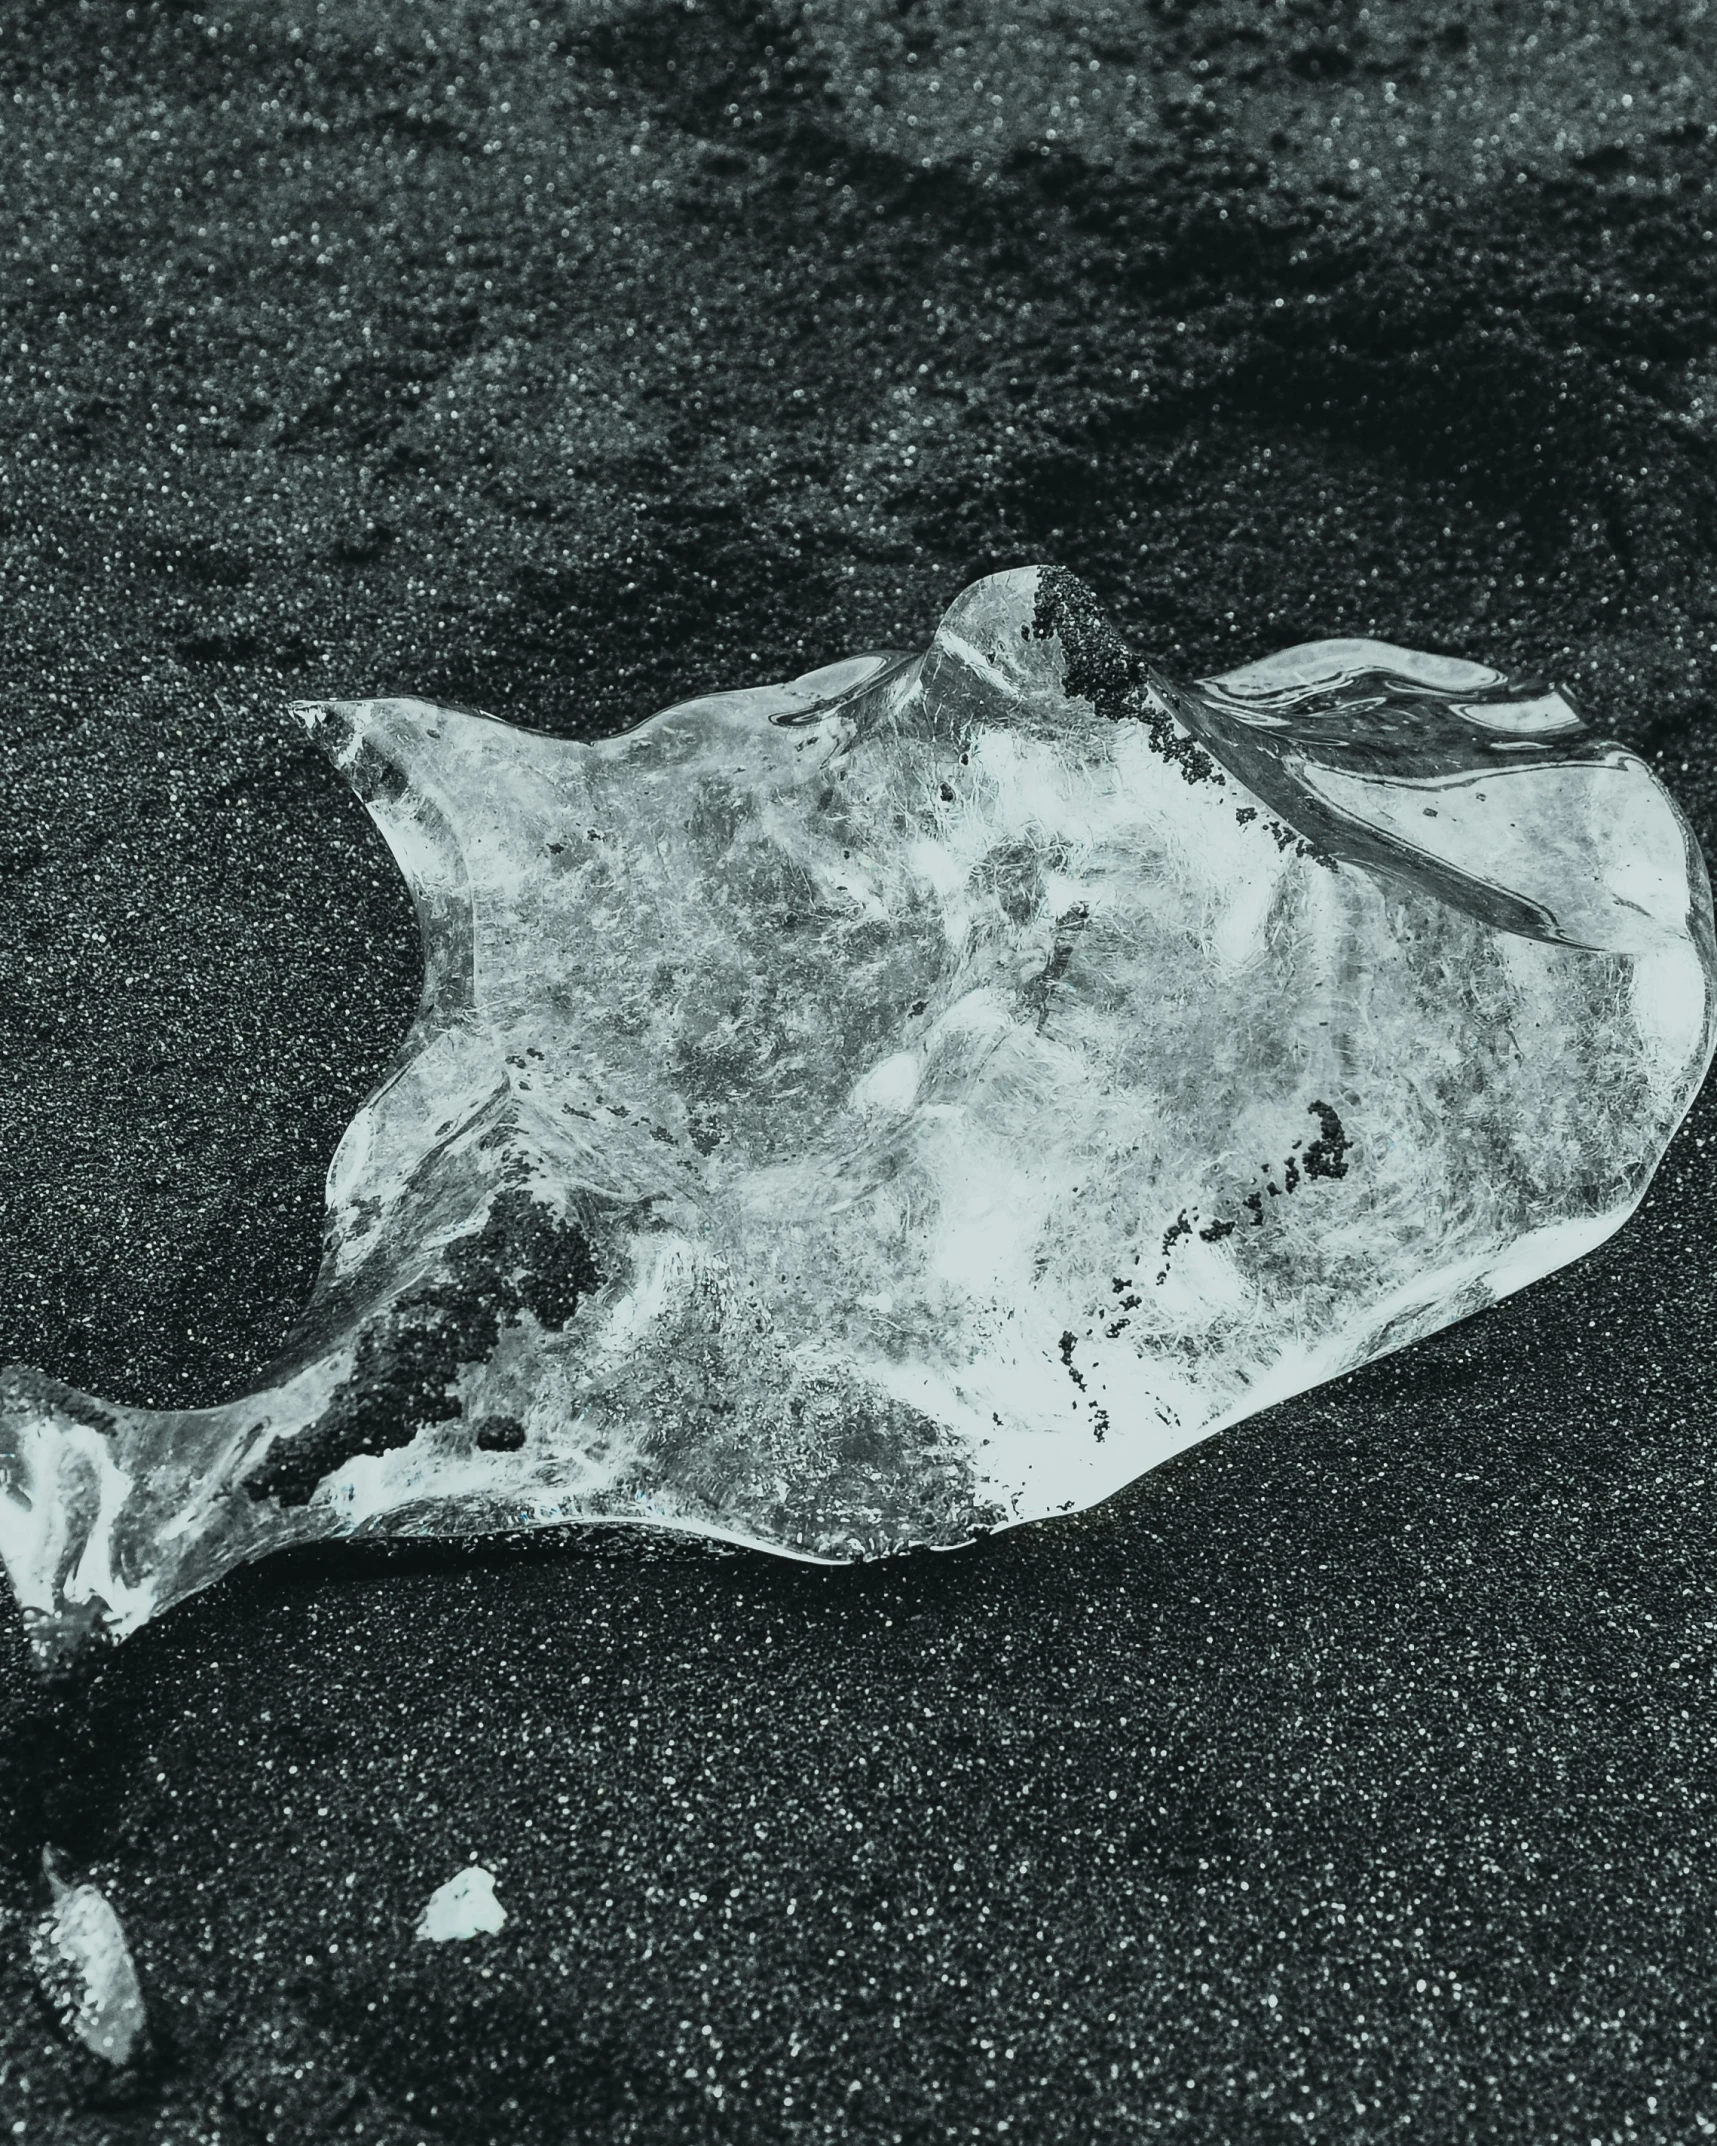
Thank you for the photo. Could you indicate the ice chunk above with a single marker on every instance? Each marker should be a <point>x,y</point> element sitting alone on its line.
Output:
<point>84,1967</point>
<point>915,1099</point>
<point>464,1907</point>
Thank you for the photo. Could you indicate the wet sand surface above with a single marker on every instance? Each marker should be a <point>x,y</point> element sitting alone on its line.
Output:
<point>1349,1777</point>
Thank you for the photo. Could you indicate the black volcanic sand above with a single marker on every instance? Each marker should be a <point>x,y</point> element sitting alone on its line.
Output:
<point>1349,1778</point>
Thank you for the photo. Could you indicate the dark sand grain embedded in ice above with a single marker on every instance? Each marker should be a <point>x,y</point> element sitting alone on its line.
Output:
<point>1351,1778</point>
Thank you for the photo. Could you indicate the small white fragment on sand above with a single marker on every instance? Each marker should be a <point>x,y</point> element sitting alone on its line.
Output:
<point>84,1966</point>
<point>464,1907</point>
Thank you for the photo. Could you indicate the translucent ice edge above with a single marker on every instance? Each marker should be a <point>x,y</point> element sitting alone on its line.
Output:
<point>917,1099</point>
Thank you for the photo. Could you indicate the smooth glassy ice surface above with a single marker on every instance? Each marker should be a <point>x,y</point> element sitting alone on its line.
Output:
<point>918,1098</point>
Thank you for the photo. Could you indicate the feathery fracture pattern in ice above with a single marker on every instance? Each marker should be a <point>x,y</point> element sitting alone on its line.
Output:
<point>918,1098</point>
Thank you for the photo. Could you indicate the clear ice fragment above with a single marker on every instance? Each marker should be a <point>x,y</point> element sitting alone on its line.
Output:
<point>464,1907</point>
<point>916,1099</point>
<point>84,1968</point>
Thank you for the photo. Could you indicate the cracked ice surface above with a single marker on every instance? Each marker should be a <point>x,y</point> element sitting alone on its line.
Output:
<point>918,1098</point>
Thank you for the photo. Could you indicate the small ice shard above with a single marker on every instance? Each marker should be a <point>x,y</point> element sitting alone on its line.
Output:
<point>464,1907</point>
<point>918,1098</point>
<point>84,1968</point>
